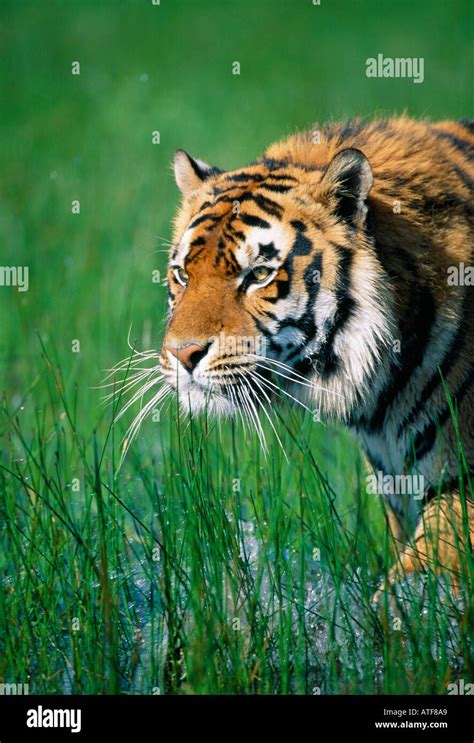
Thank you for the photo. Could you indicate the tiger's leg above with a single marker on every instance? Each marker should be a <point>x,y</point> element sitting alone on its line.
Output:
<point>441,541</point>
<point>398,524</point>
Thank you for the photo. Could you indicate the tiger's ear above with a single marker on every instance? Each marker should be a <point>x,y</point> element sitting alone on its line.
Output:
<point>351,175</point>
<point>190,172</point>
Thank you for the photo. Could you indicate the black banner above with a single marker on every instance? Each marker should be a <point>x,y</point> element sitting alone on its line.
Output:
<point>89,718</point>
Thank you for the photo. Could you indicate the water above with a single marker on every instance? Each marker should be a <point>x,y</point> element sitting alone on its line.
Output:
<point>339,621</point>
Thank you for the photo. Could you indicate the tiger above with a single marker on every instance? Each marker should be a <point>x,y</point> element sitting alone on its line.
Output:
<point>347,250</point>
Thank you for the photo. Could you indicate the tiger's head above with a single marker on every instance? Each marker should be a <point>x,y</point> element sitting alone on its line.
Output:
<point>274,283</point>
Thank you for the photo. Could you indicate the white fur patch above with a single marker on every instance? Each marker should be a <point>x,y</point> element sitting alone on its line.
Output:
<point>358,347</point>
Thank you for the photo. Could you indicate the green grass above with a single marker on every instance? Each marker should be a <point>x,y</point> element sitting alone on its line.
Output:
<point>200,565</point>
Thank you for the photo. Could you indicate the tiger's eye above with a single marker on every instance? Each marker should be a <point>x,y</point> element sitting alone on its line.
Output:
<point>260,273</point>
<point>181,276</point>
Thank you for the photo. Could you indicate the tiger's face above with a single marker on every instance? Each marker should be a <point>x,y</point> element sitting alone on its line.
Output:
<point>274,285</point>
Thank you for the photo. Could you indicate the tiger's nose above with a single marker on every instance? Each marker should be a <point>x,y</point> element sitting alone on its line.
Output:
<point>189,355</point>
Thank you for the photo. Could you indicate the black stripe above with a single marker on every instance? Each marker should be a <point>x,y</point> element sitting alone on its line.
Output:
<point>468,182</point>
<point>345,305</point>
<point>227,234</point>
<point>273,165</point>
<point>191,257</point>
<point>283,287</point>
<point>468,124</point>
<point>307,323</point>
<point>324,360</point>
<point>237,234</point>
<point>350,129</point>
<point>451,356</point>
<point>217,191</point>
<point>302,244</point>
<point>253,221</point>
<point>267,250</point>
<point>238,177</point>
<point>444,202</point>
<point>231,261</point>
<point>416,333</point>
<point>267,205</point>
<point>277,188</point>
<point>464,145</point>
<point>239,196</point>
<point>282,177</point>
<point>424,442</point>
<point>205,205</point>
<point>425,439</point>
<point>203,218</point>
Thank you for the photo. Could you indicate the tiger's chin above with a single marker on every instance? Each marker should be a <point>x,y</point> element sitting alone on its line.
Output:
<point>212,402</point>
<point>325,402</point>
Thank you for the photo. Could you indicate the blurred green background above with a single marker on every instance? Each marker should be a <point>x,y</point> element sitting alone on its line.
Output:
<point>168,68</point>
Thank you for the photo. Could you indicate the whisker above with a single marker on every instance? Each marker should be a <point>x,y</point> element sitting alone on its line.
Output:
<point>164,240</point>
<point>299,378</point>
<point>310,385</point>
<point>237,406</point>
<point>131,362</point>
<point>242,407</point>
<point>128,382</point>
<point>139,394</point>
<point>267,414</point>
<point>281,391</point>
<point>258,426</point>
<point>136,373</point>
<point>138,420</point>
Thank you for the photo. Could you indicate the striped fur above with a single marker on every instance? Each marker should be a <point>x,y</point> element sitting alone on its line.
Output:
<point>358,229</point>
